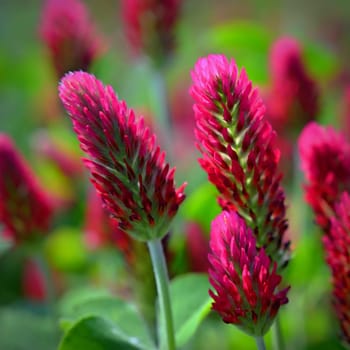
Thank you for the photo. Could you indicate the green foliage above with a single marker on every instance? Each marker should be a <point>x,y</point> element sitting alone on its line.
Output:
<point>104,320</point>
<point>190,303</point>
<point>201,206</point>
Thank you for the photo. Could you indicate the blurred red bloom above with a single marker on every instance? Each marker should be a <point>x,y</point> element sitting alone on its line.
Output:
<point>69,35</point>
<point>25,209</point>
<point>33,284</point>
<point>238,150</point>
<point>325,161</point>
<point>337,248</point>
<point>197,248</point>
<point>294,96</point>
<point>244,279</point>
<point>150,26</point>
<point>128,169</point>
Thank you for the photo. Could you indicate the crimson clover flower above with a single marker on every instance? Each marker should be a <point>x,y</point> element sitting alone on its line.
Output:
<point>150,26</point>
<point>294,94</point>
<point>238,150</point>
<point>325,161</point>
<point>243,277</point>
<point>25,209</point>
<point>127,168</point>
<point>69,35</point>
<point>337,248</point>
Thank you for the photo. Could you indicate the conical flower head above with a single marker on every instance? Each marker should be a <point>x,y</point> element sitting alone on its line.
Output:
<point>69,35</point>
<point>128,169</point>
<point>244,279</point>
<point>150,26</point>
<point>238,150</point>
<point>294,97</point>
<point>25,209</point>
<point>337,248</point>
<point>325,161</point>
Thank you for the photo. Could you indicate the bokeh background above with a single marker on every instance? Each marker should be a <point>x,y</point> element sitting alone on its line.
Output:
<point>30,113</point>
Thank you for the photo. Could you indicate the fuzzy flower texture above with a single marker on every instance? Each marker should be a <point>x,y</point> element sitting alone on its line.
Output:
<point>238,151</point>
<point>244,278</point>
<point>128,169</point>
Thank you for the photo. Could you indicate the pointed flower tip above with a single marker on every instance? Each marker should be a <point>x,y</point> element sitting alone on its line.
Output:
<point>244,280</point>
<point>127,167</point>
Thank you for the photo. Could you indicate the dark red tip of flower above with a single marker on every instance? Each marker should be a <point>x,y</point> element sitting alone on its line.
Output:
<point>127,168</point>
<point>337,248</point>
<point>69,35</point>
<point>244,280</point>
<point>325,161</point>
<point>238,150</point>
<point>25,209</point>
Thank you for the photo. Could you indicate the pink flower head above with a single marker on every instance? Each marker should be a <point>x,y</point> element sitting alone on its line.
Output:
<point>337,247</point>
<point>325,161</point>
<point>69,35</point>
<point>25,209</point>
<point>150,25</point>
<point>244,279</point>
<point>128,169</point>
<point>238,150</point>
<point>294,95</point>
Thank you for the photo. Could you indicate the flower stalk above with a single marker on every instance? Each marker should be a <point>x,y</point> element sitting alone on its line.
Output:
<point>162,283</point>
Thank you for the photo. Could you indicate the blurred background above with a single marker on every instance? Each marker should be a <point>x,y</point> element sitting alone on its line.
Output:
<point>32,115</point>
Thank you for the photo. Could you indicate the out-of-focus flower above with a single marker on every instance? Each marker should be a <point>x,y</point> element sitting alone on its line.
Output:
<point>33,284</point>
<point>25,209</point>
<point>238,151</point>
<point>345,112</point>
<point>197,247</point>
<point>294,96</point>
<point>69,35</point>
<point>337,248</point>
<point>325,161</point>
<point>243,277</point>
<point>150,26</point>
<point>128,169</point>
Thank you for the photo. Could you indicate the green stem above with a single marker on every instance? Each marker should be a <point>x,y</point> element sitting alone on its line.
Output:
<point>260,343</point>
<point>277,335</point>
<point>162,283</point>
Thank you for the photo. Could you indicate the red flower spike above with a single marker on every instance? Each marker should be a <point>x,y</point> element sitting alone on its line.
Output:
<point>25,209</point>
<point>150,26</point>
<point>69,35</point>
<point>127,168</point>
<point>238,150</point>
<point>33,284</point>
<point>337,248</point>
<point>325,161</point>
<point>294,94</point>
<point>244,279</point>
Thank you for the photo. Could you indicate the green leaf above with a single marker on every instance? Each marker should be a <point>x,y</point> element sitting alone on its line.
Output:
<point>95,333</point>
<point>247,42</point>
<point>121,318</point>
<point>190,303</point>
<point>202,200</point>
